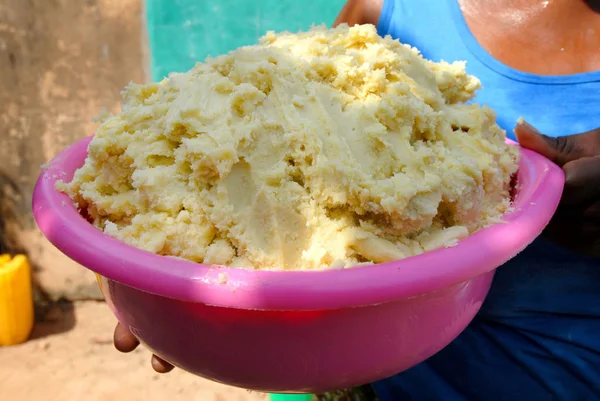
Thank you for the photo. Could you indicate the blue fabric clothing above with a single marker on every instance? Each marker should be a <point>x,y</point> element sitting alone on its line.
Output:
<point>556,105</point>
<point>537,336</point>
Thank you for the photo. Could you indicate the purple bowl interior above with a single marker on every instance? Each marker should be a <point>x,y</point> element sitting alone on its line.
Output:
<point>537,194</point>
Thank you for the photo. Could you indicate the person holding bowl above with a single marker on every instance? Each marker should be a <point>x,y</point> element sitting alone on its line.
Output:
<point>537,335</point>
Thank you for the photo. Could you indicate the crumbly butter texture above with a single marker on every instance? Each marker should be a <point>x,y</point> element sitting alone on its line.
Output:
<point>326,148</point>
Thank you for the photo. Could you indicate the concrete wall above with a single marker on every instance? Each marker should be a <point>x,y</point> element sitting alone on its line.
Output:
<point>61,61</point>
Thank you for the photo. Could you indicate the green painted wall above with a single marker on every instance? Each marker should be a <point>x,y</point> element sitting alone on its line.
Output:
<point>182,32</point>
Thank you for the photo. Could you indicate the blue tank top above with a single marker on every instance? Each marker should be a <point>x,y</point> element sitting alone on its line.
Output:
<point>537,336</point>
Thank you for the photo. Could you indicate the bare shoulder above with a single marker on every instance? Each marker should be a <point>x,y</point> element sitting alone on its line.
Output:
<point>360,12</point>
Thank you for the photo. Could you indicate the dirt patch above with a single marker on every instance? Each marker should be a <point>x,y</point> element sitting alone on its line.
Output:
<point>81,364</point>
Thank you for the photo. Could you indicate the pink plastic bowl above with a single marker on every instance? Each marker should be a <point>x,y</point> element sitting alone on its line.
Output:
<point>296,331</point>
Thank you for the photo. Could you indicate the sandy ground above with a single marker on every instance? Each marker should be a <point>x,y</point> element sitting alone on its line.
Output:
<point>71,358</point>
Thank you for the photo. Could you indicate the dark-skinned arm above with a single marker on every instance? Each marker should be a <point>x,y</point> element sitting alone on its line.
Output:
<point>360,12</point>
<point>576,223</point>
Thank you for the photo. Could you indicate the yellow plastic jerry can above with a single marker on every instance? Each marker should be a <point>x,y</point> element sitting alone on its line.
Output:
<point>16,302</point>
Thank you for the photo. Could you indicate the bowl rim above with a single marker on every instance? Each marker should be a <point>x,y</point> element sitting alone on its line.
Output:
<point>537,195</point>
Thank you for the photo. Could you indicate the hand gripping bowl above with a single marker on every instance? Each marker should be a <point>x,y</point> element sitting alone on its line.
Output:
<point>296,331</point>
